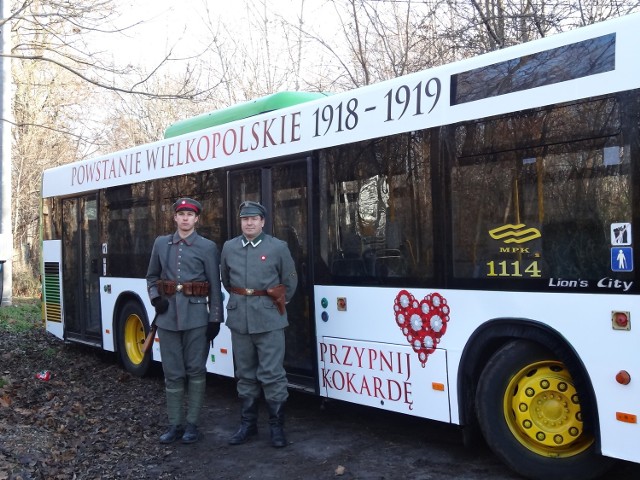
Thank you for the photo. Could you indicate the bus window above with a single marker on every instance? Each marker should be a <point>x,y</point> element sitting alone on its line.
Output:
<point>529,206</point>
<point>52,219</point>
<point>375,207</point>
<point>128,220</point>
<point>208,188</point>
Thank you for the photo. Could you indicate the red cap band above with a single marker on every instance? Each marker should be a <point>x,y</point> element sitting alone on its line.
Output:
<point>187,206</point>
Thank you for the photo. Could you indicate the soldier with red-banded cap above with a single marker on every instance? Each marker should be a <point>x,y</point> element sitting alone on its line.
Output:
<point>250,265</point>
<point>183,280</point>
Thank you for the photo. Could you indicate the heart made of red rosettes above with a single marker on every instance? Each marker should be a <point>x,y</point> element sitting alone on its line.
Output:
<point>422,322</point>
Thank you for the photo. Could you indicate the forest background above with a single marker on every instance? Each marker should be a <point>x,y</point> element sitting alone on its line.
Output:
<point>90,77</point>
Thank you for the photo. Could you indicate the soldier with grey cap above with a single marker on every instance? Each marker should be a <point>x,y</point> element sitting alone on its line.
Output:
<point>183,280</point>
<point>253,266</point>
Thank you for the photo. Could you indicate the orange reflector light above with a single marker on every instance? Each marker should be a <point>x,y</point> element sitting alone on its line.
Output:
<point>224,351</point>
<point>437,386</point>
<point>623,377</point>
<point>626,417</point>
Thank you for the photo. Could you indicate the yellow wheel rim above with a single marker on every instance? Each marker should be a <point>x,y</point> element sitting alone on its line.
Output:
<point>542,409</point>
<point>134,338</point>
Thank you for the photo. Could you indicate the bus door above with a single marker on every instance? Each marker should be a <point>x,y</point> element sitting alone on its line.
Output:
<point>81,267</point>
<point>284,190</point>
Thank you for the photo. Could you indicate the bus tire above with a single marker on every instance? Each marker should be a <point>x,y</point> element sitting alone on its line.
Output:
<point>133,327</point>
<point>529,413</point>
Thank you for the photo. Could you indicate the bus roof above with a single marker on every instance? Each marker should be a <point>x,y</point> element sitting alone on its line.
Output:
<point>238,112</point>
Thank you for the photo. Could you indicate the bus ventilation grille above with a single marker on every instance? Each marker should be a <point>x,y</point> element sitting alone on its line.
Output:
<point>51,292</point>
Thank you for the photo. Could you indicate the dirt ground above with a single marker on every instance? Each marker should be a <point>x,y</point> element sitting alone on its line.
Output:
<point>92,420</point>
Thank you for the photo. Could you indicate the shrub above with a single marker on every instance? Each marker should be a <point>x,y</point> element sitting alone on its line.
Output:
<point>25,283</point>
<point>24,314</point>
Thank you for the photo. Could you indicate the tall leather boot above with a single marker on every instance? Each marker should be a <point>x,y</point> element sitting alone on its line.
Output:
<point>248,422</point>
<point>195,400</point>
<point>175,397</point>
<point>276,424</point>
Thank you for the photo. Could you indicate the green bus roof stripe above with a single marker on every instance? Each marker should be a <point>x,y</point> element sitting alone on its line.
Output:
<point>238,112</point>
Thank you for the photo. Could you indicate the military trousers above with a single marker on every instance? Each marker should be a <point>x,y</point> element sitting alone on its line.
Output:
<point>184,354</point>
<point>259,365</point>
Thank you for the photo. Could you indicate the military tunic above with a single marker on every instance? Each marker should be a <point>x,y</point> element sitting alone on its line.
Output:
<point>193,259</point>
<point>256,325</point>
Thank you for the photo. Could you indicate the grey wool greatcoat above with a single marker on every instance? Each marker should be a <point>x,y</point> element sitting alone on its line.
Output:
<point>262,264</point>
<point>194,259</point>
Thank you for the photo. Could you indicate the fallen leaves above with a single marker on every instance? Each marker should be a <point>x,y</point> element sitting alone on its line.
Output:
<point>81,420</point>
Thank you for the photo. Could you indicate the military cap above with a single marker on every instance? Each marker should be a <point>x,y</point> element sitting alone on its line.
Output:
<point>252,209</point>
<point>187,204</point>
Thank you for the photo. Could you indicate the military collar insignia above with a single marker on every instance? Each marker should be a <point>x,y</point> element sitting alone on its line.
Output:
<point>254,243</point>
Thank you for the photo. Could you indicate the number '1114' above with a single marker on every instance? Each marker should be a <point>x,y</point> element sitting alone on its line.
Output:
<point>513,269</point>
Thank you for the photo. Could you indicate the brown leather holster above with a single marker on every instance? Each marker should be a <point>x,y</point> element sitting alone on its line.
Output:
<point>277,294</point>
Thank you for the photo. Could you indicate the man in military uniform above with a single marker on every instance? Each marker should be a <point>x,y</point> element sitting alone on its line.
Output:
<point>183,280</point>
<point>251,265</point>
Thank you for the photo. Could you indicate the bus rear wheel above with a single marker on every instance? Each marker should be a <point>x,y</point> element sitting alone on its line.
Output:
<point>132,330</point>
<point>530,415</point>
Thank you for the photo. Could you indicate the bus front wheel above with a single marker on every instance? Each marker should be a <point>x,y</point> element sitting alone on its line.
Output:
<point>530,415</point>
<point>132,330</point>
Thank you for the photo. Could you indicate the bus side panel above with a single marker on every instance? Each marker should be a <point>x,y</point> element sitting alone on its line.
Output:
<point>112,289</point>
<point>354,323</point>
<point>220,360</point>
<point>365,357</point>
<point>618,405</point>
<point>53,304</point>
<point>384,376</point>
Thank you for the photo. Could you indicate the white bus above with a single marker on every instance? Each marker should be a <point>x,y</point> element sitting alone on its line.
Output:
<point>464,238</point>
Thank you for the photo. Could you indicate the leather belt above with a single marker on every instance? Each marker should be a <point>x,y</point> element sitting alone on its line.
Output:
<point>248,291</point>
<point>276,293</point>
<point>188,289</point>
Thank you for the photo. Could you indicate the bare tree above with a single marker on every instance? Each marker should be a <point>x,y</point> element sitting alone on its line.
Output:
<point>56,32</point>
<point>382,40</point>
<point>379,39</point>
<point>497,24</point>
<point>264,56</point>
<point>58,73</point>
<point>135,120</point>
<point>41,139</point>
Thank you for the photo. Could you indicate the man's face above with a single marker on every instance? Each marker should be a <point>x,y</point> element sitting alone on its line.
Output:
<point>186,220</point>
<point>251,226</point>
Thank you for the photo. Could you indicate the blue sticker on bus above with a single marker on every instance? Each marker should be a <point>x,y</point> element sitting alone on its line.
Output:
<point>622,259</point>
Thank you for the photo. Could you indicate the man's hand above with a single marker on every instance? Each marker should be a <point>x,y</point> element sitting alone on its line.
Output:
<point>161,305</point>
<point>213,329</point>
